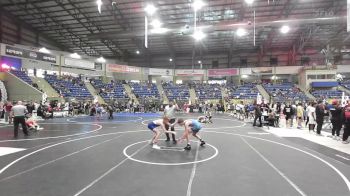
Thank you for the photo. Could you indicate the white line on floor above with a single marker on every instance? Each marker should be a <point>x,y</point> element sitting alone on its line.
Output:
<point>193,173</point>
<point>9,150</point>
<point>107,172</point>
<point>172,149</point>
<point>345,179</point>
<point>60,143</point>
<point>258,133</point>
<point>342,157</point>
<point>55,137</point>
<point>62,157</point>
<point>276,169</point>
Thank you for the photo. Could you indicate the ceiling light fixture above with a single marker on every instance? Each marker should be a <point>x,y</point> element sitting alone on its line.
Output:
<point>159,30</point>
<point>241,32</point>
<point>101,60</point>
<point>199,62</point>
<point>75,56</point>
<point>249,2</point>
<point>198,4</point>
<point>44,50</point>
<point>156,24</point>
<point>198,35</point>
<point>150,9</point>
<point>171,60</point>
<point>99,5</point>
<point>137,52</point>
<point>285,29</point>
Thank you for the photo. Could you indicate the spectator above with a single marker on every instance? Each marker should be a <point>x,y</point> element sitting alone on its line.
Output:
<point>320,113</point>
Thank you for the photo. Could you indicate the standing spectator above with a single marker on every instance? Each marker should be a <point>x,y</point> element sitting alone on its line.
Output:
<point>312,117</point>
<point>307,110</point>
<point>18,112</point>
<point>336,119</point>
<point>346,123</point>
<point>287,111</point>
<point>300,115</point>
<point>258,114</point>
<point>110,111</point>
<point>2,111</point>
<point>293,113</point>
<point>320,112</point>
<point>7,108</point>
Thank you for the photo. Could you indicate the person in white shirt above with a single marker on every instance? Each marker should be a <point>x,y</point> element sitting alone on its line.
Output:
<point>307,111</point>
<point>170,112</point>
<point>18,113</point>
<point>312,117</point>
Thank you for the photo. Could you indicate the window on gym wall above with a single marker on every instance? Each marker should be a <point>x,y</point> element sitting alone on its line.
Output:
<point>311,77</point>
<point>330,76</point>
<point>321,77</point>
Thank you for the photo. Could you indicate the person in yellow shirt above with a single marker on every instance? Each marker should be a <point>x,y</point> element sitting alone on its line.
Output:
<point>300,114</point>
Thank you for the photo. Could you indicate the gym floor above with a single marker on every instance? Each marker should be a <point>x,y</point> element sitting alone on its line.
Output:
<point>90,157</point>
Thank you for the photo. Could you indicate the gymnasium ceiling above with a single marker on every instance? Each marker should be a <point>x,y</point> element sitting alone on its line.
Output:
<point>119,30</point>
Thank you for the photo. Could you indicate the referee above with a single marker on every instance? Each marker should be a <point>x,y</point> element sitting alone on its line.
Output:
<point>169,112</point>
<point>18,112</point>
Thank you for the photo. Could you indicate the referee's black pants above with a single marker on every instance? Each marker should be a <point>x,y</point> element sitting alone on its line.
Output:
<point>20,120</point>
<point>171,121</point>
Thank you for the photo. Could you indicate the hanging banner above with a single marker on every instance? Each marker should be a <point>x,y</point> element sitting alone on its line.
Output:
<point>262,70</point>
<point>222,72</point>
<point>23,53</point>
<point>123,68</point>
<point>79,63</point>
<point>245,71</point>
<point>259,99</point>
<point>344,99</point>
<point>161,72</point>
<point>288,69</point>
<point>190,72</point>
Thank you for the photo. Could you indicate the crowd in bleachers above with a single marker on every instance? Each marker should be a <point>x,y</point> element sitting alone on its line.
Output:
<point>109,91</point>
<point>285,92</point>
<point>69,86</point>
<point>245,91</point>
<point>208,91</point>
<point>346,84</point>
<point>22,75</point>
<point>144,90</point>
<point>327,94</point>
<point>176,91</point>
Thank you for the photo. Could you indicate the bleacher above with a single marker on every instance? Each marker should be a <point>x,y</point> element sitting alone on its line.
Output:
<point>284,92</point>
<point>109,91</point>
<point>346,84</point>
<point>208,91</point>
<point>22,75</point>
<point>327,94</point>
<point>246,91</point>
<point>69,87</point>
<point>176,91</point>
<point>144,90</point>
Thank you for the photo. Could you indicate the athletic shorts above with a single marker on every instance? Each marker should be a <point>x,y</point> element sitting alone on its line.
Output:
<point>196,126</point>
<point>152,126</point>
<point>288,117</point>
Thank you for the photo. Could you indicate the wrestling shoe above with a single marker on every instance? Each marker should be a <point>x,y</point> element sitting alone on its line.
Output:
<point>202,143</point>
<point>155,146</point>
<point>188,147</point>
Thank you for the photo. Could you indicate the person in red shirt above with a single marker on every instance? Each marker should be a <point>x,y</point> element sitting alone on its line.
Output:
<point>7,108</point>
